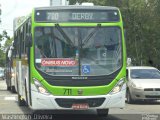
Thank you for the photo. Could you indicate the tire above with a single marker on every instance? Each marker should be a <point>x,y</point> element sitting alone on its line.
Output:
<point>102,112</point>
<point>8,88</point>
<point>13,89</point>
<point>129,98</point>
<point>26,93</point>
<point>21,102</point>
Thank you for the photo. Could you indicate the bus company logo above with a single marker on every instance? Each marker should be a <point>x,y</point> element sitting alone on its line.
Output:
<point>80,92</point>
<point>79,77</point>
<point>58,62</point>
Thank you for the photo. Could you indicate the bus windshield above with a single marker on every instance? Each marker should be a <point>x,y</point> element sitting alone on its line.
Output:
<point>86,51</point>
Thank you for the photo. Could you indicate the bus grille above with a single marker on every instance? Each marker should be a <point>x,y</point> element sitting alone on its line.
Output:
<point>67,102</point>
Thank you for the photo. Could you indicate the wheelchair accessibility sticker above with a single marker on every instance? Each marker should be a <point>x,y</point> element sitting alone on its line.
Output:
<point>86,69</point>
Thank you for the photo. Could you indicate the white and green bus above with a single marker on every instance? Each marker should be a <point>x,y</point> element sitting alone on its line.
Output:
<point>70,58</point>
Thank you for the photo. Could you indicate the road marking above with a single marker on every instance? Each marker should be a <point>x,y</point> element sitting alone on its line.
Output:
<point>10,98</point>
<point>8,95</point>
<point>2,103</point>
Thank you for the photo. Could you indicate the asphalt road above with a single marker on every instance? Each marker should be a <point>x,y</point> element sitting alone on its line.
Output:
<point>9,110</point>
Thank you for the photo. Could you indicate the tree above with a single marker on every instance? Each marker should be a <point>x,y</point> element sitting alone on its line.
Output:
<point>4,36</point>
<point>141,22</point>
<point>142,31</point>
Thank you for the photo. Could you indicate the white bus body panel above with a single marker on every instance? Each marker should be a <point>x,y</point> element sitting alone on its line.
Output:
<point>22,74</point>
<point>15,77</point>
<point>19,75</point>
<point>47,102</point>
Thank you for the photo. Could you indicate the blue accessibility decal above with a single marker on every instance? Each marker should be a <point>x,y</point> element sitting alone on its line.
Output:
<point>86,69</point>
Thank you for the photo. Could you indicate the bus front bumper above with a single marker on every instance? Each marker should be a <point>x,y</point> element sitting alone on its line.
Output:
<point>50,102</point>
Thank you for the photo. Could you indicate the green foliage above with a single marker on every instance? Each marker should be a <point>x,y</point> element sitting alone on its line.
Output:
<point>2,58</point>
<point>141,22</point>
<point>4,36</point>
<point>8,43</point>
<point>142,25</point>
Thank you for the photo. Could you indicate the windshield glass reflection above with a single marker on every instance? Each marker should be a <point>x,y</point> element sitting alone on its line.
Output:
<point>145,74</point>
<point>78,50</point>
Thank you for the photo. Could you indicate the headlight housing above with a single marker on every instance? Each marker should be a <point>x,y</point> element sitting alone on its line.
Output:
<point>136,85</point>
<point>133,85</point>
<point>40,87</point>
<point>12,74</point>
<point>121,85</point>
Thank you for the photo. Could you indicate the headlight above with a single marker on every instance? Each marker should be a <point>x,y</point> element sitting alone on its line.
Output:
<point>133,85</point>
<point>39,87</point>
<point>136,86</point>
<point>12,74</point>
<point>119,86</point>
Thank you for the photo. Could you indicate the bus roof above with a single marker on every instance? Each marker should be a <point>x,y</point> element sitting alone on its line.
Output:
<point>77,7</point>
<point>20,20</point>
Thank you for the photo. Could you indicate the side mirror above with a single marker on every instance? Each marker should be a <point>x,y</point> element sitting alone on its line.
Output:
<point>28,40</point>
<point>129,61</point>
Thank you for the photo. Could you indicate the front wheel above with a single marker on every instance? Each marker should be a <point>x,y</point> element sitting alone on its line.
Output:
<point>102,112</point>
<point>21,101</point>
<point>8,88</point>
<point>129,98</point>
<point>13,89</point>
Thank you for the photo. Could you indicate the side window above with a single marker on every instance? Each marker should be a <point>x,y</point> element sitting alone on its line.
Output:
<point>15,50</point>
<point>18,45</point>
<point>27,32</point>
<point>21,42</point>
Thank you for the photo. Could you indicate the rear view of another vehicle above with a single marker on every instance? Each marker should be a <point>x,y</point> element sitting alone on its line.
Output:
<point>143,84</point>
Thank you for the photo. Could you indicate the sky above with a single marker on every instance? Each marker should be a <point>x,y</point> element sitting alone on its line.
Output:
<point>16,8</point>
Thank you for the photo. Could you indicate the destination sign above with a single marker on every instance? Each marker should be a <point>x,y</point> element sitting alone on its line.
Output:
<point>76,15</point>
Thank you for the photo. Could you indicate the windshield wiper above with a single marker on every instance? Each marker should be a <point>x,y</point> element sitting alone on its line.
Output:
<point>90,35</point>
<point>64,34</point>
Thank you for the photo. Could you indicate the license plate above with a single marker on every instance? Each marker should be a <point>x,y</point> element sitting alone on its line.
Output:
<point>81,106</point>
